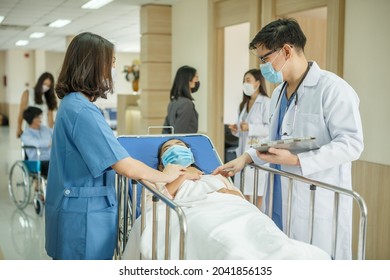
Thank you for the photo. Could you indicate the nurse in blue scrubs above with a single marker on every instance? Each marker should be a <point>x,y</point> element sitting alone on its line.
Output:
<point>81,206</point>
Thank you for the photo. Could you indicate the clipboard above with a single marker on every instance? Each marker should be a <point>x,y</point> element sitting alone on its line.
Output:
<point>294,145</point>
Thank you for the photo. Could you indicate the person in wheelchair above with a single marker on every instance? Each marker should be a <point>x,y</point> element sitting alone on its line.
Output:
<point>37,135</point>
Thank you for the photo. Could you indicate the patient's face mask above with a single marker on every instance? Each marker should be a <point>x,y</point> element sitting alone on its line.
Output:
<point>177,154</point>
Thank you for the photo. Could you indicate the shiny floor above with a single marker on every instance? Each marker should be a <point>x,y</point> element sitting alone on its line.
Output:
<point>22,232</point>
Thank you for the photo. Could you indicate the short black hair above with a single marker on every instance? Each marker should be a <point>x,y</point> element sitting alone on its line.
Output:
<point>31,113</point>
<point>278,33</point>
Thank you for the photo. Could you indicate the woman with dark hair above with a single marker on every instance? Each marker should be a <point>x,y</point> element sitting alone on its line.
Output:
<point>252,125</point>
<point>182,115</point>
<point>81,206</point>
<point>41,96</point>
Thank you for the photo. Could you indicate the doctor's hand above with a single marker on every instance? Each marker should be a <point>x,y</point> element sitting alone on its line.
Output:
<point>234,166</point>
<point>244,126</point>
<point>173,171</point>
<point>279,156</point>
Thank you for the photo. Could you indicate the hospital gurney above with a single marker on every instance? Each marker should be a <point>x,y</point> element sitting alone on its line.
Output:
<point>144,148</point>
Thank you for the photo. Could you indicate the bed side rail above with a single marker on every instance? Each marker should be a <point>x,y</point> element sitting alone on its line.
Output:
<point>127,216</point>
<point>361,250</point>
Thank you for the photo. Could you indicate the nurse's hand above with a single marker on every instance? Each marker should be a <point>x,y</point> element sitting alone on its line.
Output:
<point>233,128</point>
<point>234,166</point>
<point>279,156</point>
<point>173,171</point>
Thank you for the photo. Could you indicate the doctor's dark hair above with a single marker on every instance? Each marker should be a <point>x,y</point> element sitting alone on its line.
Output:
<point>181,83</point>
<point>31,113</point>
<point>50,98</point>
<point>278,33</point>
<point>87,67</point>
<point>256,73</point>
<point>159,155</point>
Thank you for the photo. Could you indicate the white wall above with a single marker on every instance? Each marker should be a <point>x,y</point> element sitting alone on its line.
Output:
<point>121,85</point>
<point>236,64</point>
<point>2,73</point>
<point>190,47</point>
<point>366,68</point>
<point>21,71</point>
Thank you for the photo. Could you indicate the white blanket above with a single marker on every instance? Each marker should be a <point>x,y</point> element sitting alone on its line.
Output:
<point>220,226</point>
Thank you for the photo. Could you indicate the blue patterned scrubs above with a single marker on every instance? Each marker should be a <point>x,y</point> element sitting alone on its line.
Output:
<point>81,208</point>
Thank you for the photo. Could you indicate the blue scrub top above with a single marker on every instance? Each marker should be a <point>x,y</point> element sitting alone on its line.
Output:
<point>81,207</point>
<point>277,215</point>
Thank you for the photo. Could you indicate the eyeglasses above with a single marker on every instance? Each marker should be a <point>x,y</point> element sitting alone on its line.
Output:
<point>263,57</point>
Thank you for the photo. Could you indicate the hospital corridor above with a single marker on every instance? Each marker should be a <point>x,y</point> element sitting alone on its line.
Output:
<point>139,91</point>
<point>22,232</point>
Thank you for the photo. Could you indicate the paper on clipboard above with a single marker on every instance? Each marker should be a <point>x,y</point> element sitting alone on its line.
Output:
<point>294,145</point>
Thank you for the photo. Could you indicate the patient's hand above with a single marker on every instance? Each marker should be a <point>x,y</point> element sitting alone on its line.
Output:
<point>233,192</point>
<point>173,171</point>
<point>193,173</point>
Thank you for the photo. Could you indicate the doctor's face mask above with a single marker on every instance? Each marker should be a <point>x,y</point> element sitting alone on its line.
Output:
<point>178,154</point>
<point>269,72</point>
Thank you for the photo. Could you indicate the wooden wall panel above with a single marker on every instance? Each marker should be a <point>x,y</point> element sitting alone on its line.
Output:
<point>372,182</point>
<point>232,12</point>
<point>283,7</point>
<point>156,19</point>
<point>155,76</point>
<point>154,103</point>
<point>156,48</point>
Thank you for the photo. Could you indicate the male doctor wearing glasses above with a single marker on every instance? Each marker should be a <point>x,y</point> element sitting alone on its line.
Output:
<point>309,102</point>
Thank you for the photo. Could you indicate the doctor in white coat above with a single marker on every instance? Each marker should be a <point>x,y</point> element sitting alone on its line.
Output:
<point>308,102</point>
<point>252,126</point>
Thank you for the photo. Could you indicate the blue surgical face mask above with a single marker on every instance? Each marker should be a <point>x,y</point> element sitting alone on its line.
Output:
<point>177,154</point>
<point>269,73</point>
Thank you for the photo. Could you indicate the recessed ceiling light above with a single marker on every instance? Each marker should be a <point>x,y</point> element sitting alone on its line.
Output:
<point>37,35</point>
<point>21,43</point>
<point>1,19</point>
<point>59,23</point>
<point>95,4</point>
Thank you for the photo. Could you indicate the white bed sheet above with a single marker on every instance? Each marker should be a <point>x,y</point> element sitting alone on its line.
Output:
<point>220,226</point>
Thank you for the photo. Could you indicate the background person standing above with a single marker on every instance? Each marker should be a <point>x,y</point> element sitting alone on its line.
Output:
<point>41,96</point>
<point>252,126</point>
<point>181,113</point>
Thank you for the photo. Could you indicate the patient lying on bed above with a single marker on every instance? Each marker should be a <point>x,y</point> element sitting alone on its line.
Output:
<point>221,223</point>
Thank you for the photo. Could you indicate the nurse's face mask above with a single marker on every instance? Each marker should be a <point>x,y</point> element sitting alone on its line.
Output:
<point>177,154</point>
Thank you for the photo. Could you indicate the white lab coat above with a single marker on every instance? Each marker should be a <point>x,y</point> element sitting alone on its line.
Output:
<point>258,123</point>
<point>328,109</point>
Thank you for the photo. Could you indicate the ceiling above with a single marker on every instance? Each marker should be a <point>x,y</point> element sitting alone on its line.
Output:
<point>118,21</point>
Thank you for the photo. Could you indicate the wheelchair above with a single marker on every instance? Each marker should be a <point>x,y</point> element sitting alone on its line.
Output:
<point>24,176</point>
